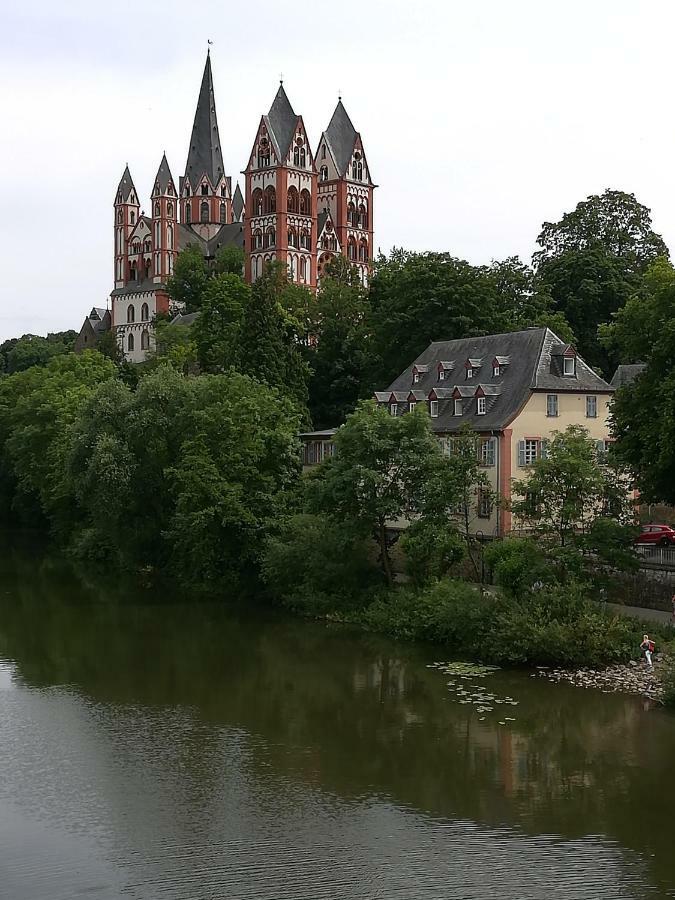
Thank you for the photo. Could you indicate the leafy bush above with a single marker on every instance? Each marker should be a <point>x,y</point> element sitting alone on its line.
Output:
<point>517,564</point>
<point>430,551</point>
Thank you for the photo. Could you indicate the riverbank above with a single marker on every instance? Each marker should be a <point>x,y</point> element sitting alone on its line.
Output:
<point>633,678</point>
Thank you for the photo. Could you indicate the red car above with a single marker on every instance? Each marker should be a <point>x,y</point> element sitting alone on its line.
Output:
<point>661,535</point>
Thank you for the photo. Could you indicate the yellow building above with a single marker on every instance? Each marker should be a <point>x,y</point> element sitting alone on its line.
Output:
<point>514,390</point>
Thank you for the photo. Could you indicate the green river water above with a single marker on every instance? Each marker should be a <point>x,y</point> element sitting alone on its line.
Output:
<point>157,747</point>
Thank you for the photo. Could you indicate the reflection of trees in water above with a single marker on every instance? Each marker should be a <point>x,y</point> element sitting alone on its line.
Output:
<point>352,714</point>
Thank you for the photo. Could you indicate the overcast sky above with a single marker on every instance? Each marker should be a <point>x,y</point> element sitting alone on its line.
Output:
<point>481,119</point>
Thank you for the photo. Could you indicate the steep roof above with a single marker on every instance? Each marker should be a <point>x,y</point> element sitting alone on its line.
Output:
<point>532,366</point>
<point>626,374</point>
<point>185,318</point>
<point>205,156</point>
<point>163,177</point>
<point>238,203</point>
<point>341,135</point>
<point>126,186</point>
<point>282,121</point>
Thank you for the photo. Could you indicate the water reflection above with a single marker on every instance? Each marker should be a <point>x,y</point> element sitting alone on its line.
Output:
<point>182,745</point>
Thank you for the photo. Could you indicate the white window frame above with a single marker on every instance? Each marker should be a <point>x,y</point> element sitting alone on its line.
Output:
<point>572,360</point>
<point>496,371</point>
<point>484,504</point>
<point>481,406</point>
<point>457,409</point>
<point>594,406</point>
<point>487,452</point>
<point>416,377</point>
<point>552,406</point>
<point>441,375</point>
<point>412,405</point>
<point>433,409</point>
<point>393,409</point>
<point>469,372</point>
<point>530,451</point>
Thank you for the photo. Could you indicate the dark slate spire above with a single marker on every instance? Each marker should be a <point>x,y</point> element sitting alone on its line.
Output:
<point>341,136</point>
<point>282,121</point>
<point>204,157</point>
<point>163,178</point>
<point>237,203</point>
<point>125,187</point>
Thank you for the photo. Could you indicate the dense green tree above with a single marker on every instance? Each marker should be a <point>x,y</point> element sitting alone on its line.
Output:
<point>217,329</point>
<point>174,344</point>
<point>19,354</point>
<point>189,278</point>
<point>229,261</point>
<point>643,413</point>
<point>270,348</point>
<point>339,355</point>
<point>592,261</point>
<point>523,301</point>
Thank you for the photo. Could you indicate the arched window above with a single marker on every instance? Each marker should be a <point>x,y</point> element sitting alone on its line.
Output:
<point>270,200</point>
<point>156,209</point>
<point>145,313</point>
<point>305,239</point>
<point>257,239</point>
<point>223,213</point>
<point>351,248</point>
<point>363,250</point>
<point>257,202</point>
<point>133,272</point>
<point>132,218</point>
<point>147,268</point>
<point>130,342</point>
<point>188,215</point>
<point>323,174</point>
<point>293,203</point>
<point>147,246</point>
<point>296,156</point>
<point>205,190</point>
<point>223,192</point>
<point>323,151</point>
<point>169,210</point>
<point>332,242</point>
<point>363,216</point>
<point>357,170</point>
<point>187,190</point>
<point>145,340</point>
<point>305,203</point>
<point>120,217</point>
<point>204,212</point>
<point>131,315</point>
<point>270,236</point>
<point>324,242</point>
<point>169,237</point>
<point>291,268</point>
<point>292,237</point>
<point>303,158</point>
<point>351,214</point>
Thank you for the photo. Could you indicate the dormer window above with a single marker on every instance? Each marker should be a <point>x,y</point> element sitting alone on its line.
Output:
<point>469,373</point>
<point>205,190</point>
<point>416,377</point>
<point>496,371</point>
<point>457,409</point>
<point>393,409</point>
<point>480,406</point>
<point>569,366</point>
<point>412,405</point>
<point>441,375</point>
<point>433,409</point>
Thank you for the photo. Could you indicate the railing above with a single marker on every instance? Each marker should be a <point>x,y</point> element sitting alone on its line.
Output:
<point>663,557</point>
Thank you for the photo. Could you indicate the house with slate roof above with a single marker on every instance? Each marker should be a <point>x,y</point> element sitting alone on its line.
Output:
<point>281,215</point>
<point>96,324</point>
<point>514,390</point>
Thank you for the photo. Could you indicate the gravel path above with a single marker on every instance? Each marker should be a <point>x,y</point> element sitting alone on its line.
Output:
<point>639,612</point>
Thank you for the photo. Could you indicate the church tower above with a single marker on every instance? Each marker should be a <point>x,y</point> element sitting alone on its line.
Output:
<point>126,218</point>
<point>280,196</point>
<point>345,194</point>
<point>164,223</point>
<point>205,190</point>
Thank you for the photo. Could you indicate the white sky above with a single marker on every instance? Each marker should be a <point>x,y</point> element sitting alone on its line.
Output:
<point>480,119</point>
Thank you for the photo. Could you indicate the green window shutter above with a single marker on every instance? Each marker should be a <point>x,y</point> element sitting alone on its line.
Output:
<point>491,451</point>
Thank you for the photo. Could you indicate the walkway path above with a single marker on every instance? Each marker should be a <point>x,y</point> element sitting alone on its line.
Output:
<point>639,612</point>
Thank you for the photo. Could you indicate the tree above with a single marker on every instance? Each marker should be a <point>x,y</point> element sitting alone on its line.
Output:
<point>230,261</point>
<point>217,329</point>
<point>593,260</point>
<point>269,343</point>
<point>385,469</point>
<point>614,221</point>
<point>339,355</point>
<point>189,278</point>
<point>571,487</point>
<point>523,301</point>
<point>19,354</point>
<point>643,412</point>
<point>175,345</point>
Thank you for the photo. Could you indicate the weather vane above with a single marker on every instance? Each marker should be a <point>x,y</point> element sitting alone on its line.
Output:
<point>281,77</point>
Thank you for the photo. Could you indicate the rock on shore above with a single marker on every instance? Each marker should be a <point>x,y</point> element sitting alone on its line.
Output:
<point>634,678</point>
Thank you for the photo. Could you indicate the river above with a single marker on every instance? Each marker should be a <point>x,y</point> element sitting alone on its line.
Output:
<point>158,747</point>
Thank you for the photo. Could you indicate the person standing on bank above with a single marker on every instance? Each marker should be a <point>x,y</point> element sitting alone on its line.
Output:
<point>647,648</point>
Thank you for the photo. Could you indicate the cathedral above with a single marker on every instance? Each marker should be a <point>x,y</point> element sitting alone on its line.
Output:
<point>297,207</point>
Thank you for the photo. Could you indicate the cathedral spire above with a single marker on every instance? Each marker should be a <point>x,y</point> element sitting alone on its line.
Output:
<point>125,187</point>
<point>205,156</point>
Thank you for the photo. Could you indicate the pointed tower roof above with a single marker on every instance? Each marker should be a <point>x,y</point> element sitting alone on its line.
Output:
<point>341,135</point>
<point>237,203</point>
<point>282,121</point>
<point>204,156</point>
<point>163,178</point>
<point>126,186</point>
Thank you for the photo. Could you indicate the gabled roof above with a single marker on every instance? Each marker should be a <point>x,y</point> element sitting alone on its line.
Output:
<point>281,122</point>
<point>238,203</point>
<point>184,318</point>
<point>341,136</point>
<point>164,178</point>
<point>531,368</point>
<point>626,374</point>
<point>205,156</point>
<point>126,186</point>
